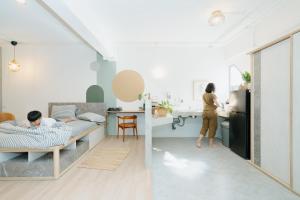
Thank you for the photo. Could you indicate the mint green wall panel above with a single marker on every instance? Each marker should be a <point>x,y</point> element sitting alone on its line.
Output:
<point>105,75</point>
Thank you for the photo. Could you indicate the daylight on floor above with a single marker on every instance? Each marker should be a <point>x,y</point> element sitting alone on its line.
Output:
<point>149,100</point>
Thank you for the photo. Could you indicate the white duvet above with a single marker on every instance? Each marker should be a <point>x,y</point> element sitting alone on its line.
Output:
<point>42,137</point>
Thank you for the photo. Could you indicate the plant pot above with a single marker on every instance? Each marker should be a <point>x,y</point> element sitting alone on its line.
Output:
<point>161,112</point>
<point>245,86</point>
<point>249,86</point>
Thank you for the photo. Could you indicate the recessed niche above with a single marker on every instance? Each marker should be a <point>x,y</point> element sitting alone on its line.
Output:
<point>95,94</point>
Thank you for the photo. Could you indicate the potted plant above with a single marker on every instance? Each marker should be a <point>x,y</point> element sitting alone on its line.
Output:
<point>142,97</point>
<point>163,108</point>
<point>247,79</point>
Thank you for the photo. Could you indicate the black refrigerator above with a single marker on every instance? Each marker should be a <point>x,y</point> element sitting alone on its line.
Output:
<point>239,123</point>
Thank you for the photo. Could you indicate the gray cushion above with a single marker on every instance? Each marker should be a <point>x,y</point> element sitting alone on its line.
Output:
<point>63,112</point>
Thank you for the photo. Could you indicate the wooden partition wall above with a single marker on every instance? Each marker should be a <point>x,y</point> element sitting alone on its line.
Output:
<point>275,135</point>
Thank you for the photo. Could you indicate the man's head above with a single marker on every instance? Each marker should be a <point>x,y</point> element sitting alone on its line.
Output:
<point>34,117</point>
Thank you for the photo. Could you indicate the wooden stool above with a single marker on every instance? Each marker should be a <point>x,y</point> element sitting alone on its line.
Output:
<point>125,124</point>
<point>6,117</point>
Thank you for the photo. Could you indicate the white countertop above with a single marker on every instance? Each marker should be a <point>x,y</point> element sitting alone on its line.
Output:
<point>159,121</point>
<point>186,113</point>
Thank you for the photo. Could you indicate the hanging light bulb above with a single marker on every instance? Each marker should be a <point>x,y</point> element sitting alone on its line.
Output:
<point>13,65</point>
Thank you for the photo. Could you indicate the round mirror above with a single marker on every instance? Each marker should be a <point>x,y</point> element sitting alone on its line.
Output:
<point>127,85</point>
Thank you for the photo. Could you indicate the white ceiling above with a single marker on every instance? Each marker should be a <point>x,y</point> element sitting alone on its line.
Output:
<point>31,23</point>
<point>131,21</point>
<point>167,21</point>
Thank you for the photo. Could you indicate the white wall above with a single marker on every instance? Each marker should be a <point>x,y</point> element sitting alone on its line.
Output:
<point>178,67</point>
<point>284,19</point>
<point>183,64</point>
<point>49,73</point>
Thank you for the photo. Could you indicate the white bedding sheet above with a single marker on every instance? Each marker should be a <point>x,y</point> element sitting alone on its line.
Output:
<point>78,126</point>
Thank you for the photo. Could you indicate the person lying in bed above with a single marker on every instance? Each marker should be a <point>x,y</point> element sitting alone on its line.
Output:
<point>36,120</point>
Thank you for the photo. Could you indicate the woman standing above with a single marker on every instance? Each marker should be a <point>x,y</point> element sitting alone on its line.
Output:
<point>210,117</point>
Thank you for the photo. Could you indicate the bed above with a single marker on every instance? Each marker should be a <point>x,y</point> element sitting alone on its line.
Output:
<point>79,126</point>
<point>53,161</point>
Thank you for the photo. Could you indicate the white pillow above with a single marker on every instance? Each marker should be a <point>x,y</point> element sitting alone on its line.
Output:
<point>6,125</point>
<point>93,117</point>
<point>12,122</point>
<point>49,122</point>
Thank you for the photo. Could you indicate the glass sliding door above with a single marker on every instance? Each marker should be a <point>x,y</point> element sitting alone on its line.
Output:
<point>275,111</point>
<point>296,113</point>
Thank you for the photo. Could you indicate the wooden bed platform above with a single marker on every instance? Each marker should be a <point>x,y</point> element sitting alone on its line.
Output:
<point>52,162</point>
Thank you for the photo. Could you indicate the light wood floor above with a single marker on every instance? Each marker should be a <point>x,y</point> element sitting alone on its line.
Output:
<point>130,181</point>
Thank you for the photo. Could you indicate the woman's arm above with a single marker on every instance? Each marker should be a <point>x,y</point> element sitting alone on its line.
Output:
<point>216,101</point>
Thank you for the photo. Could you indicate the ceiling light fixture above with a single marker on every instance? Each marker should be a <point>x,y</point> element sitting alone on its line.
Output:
<point>217,17</point>
<point>13,65</point>
<point>21,1</point>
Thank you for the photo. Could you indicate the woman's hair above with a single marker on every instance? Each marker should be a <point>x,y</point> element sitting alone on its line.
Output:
<point>34,115</point>
<point>210,88</point>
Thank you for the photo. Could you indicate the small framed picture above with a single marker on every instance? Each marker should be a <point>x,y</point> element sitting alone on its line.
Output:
<point>199,89</point>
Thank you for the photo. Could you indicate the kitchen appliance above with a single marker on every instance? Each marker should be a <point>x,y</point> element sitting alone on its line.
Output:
<point>239,123</point>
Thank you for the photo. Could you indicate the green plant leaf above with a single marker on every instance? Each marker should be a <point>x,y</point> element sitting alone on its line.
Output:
<point>246,77</point>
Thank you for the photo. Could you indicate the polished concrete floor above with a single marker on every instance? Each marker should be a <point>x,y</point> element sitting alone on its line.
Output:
<point>182,171</point>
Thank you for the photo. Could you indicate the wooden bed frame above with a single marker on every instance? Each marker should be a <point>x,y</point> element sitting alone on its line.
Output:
<point>93,135</point>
